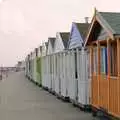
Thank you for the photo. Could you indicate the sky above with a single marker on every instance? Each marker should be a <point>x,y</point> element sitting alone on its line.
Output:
<point>26,24</point>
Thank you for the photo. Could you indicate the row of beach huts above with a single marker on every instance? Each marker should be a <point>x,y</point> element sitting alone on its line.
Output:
<point>82,66</point>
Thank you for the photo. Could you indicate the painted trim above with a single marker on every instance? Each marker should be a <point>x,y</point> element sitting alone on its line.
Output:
<point>104,24</point>
<point>98,17</point>
<point>118,60</point>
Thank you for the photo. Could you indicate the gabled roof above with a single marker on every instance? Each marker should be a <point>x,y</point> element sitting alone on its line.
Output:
<point>65,38</point>
<point>36,51</point>
<point>113,19</point>
<point>78,34</point>
<point>40,48</point>
<point>52,41</point>
<point>82,27</point>
<point>46,44</point>
<point>110,21</point>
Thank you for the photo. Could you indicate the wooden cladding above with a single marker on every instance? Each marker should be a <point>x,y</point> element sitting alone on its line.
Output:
<point>113,59</point>
<point>105,75</point>
<point>102,58</point>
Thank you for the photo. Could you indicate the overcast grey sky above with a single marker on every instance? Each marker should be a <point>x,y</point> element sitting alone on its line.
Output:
<point>25,24</point>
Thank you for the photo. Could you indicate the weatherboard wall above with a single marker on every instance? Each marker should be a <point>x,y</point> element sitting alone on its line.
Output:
<point>75,38</point>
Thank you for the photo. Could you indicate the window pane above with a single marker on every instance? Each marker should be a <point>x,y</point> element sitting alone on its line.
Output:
<point>113,61</point>
<point>103,60</point>
<point>106,64</point>
<point>95,60</point>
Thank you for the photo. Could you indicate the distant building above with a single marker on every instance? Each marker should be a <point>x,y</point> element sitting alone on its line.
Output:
<point>20,65</point>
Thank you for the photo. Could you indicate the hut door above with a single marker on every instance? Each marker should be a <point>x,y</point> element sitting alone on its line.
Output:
<point>76,75</point>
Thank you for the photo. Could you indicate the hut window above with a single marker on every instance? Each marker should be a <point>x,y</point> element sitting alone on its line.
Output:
<point>113,60</point>
<point>95,60</point>
<point>103,60</point>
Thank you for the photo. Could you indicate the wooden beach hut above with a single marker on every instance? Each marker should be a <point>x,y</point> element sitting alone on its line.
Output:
<point>103,41</point>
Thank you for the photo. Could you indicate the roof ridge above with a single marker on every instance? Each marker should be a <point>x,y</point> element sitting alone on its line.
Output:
<point>83,29</point>
<point>63,32</point>
<point>51,37</point>
<point>52,41</point>
<point>113,19</point>
<point>109,12</point>
<point>80,23</point>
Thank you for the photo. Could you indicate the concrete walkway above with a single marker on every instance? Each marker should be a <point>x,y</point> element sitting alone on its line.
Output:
<point>20,99</point>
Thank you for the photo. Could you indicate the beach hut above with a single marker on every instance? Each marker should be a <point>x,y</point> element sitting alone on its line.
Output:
<point>78,88</point>
<point>103,41</point>
<point>31,66</point>
<point>50,51</point>
<point>39,66</point>
<point>27,66</point>
<point>34,65</point>
<point>60,48</point>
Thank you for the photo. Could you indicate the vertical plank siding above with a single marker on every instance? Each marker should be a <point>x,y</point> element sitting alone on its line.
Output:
<point>105,86</point>
<point>77,74</point>
<point>118,81</point>
<point>83,81</point>
<point>94,99</point>
<point>113,102</point>
<point>72,76</point>
<point>66,73</point>
<point>64,78</point>
<point>103,92</point>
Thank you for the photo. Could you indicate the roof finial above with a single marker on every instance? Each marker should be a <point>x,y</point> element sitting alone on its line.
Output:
<point>95,10</point>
